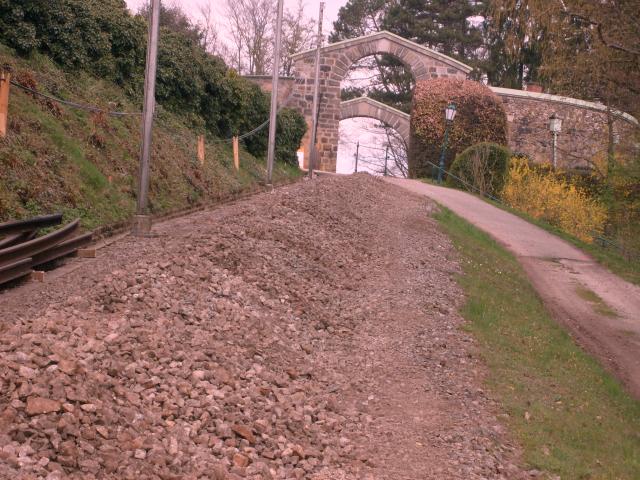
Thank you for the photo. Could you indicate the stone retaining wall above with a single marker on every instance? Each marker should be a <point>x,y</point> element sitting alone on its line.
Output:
<point>585,127</point>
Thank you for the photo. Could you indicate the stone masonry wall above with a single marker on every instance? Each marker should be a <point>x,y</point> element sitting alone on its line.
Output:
<point>366,107</point>
<point>285,85</point>
<point>585,131</point>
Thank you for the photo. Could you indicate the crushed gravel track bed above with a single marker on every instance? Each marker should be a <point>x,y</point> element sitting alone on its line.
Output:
<point>309,333</point>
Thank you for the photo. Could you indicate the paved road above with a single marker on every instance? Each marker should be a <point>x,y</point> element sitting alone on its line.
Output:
<point>557,270</point>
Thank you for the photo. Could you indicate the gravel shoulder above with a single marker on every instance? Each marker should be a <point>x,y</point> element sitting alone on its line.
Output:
<point>310,333</point>
<point>606,323</point>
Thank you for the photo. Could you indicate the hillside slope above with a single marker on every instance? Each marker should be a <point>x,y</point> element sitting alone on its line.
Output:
<point>58,158</point>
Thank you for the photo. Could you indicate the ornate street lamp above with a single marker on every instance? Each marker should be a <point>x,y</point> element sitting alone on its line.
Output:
<point>555,126</point>
<point>449,115</point>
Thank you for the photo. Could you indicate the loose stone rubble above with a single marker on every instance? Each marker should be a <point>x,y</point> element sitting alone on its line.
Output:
<point>307,333</point>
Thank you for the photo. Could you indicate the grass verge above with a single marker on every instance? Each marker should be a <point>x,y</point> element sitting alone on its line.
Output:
<point>570,416</point>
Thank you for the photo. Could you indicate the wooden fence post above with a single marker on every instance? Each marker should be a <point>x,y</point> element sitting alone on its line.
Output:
<point>201,149</point>
<point>5,85</point>
<point>236,153</point>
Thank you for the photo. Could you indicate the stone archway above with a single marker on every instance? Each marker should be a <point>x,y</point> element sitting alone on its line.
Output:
<point>335,61</point>
<point>367,107</point>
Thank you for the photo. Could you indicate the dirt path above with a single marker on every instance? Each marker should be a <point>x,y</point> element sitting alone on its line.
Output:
<point>566,279</point>
<point>308,333</point>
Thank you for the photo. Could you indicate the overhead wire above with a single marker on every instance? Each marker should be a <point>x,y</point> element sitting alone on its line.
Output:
<point>95,109</point>
<point>79,106</point>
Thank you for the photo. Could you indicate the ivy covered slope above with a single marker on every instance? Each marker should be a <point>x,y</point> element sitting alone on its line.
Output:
<point>58,158</point>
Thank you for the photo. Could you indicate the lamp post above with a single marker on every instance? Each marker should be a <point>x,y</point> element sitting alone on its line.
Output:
<point>555,126</point>
<point>450,114</point>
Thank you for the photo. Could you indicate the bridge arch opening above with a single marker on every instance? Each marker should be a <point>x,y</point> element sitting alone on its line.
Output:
<point>369,145</point>
<point>382,77</point>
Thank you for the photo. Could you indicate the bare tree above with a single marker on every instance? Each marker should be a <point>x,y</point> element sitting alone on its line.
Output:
<point>208,28</point>
<point>377,156</point>
<point>251,30</point>
<point>298,35</point>
<point>399,166</point>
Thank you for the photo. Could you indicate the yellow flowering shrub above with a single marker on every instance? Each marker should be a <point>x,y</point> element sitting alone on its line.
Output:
<point>549,197</point>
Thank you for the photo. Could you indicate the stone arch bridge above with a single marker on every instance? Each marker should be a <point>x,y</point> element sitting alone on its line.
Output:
<point>335,62</point>
<point>367,107</point>
<point>585,128</point>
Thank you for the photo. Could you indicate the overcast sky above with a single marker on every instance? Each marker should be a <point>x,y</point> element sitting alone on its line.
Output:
<point>311,8</point>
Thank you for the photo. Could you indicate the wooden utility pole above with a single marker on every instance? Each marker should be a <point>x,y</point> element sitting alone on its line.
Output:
<point>271,149</point>
<point>142,222</point>
<point>316,95</point>
<point>236,153</point>
<point>5,86</point>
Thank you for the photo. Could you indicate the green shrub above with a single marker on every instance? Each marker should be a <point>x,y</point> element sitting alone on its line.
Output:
<point>102,38</point>
<point>480,118</point>
<point>482,168</point>
<point>98,36</point>
<point>550,197</point>
<point>291,128</point>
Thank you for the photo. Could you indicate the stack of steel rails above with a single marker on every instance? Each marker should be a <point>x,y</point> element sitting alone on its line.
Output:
<point>22,250</point>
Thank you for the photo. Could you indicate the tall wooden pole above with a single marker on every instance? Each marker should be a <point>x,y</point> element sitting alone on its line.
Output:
<point>5,86</point>
<point>236,153</point>
<point>142,224</point>
<point>201,150</point>
<point>316,95</point>
<point>386,160</point>
<point>271,150</point>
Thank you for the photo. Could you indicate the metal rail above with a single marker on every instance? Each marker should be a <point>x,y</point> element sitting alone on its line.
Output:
<point>15,270</point>
<point>12,240</point>
<point>37,245</point>
<point>21,251</point>
<point>62,250</point>
<point>32,224</point>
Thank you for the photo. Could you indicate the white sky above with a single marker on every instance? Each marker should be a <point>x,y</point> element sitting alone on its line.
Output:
<point>352,130</point>
<point>311,8</point>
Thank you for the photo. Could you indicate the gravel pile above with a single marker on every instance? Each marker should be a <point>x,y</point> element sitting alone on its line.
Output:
<point>287,336</point>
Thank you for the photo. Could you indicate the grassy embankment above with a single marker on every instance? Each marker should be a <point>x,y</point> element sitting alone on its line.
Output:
<point>571,417</point>
<point>85,165</point>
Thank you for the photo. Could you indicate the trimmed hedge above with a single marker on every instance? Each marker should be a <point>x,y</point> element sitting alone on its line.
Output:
<point>481,168</point>
<point>480,118</point>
